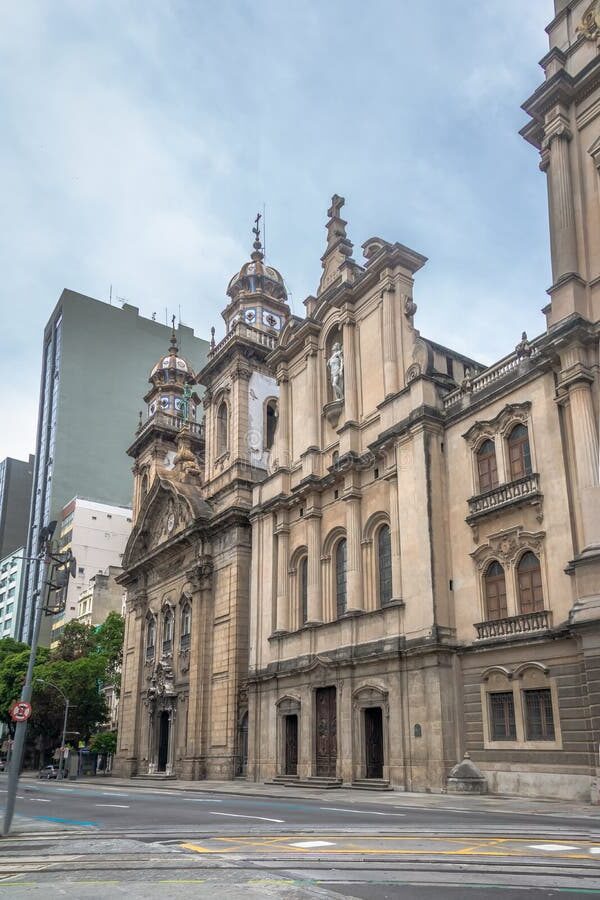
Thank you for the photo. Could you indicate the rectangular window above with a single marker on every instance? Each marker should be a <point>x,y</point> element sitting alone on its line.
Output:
<point>539,718</point>
<point>502,716</point>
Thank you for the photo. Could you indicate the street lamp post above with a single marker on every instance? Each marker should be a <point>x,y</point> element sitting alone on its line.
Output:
<point>64,731</point>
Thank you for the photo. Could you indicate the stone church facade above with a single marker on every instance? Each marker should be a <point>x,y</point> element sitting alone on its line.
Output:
<point>374,554</point>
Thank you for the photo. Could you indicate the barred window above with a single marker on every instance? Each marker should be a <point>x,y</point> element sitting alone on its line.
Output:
<point>186,625</point>
<point>384,554</point>
<point>539,718</point>
<point>167,631</point>
<point>341,558</point>
<point>303,573</point>
<point>502,716</point>
<point>150,638</point>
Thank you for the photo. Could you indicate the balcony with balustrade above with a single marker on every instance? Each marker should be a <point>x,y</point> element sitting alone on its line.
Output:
<point>523,624</point>
<point>525,490</point>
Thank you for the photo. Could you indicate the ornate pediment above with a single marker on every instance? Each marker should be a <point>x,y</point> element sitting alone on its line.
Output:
<point>168,510</point>
<point>589,27</point>
<point>511,414</point>
<point>506,546</point>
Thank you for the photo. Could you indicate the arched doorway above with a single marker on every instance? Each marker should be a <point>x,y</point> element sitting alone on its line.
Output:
<point>163,741</point>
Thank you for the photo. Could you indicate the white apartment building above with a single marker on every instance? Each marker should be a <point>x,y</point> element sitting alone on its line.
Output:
<point>11,569</point>
<point>96,534</point>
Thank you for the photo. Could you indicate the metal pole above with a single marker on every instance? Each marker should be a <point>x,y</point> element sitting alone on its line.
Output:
<point>19,742</point>
<point>61,764</point>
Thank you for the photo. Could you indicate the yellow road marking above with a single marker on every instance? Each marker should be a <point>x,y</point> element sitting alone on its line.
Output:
<point>198,849</point>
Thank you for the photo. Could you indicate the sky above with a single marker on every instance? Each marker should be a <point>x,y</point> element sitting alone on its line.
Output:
<point>140,138</point>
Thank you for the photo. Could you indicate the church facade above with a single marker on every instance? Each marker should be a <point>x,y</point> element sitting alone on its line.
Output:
<point>372,554</point>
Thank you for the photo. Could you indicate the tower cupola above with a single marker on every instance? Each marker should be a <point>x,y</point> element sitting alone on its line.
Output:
<point>172,379</point>
<point>257,292</point>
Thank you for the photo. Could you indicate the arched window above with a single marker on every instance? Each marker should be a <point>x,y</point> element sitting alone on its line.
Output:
<point>486,466</point>
<point>151,638</point>
<point>341,559</point>
<point>384,564</point>
<point>167,644</point>
<point>519,454</point>
<point>222,428</point>
<point>271,423</point>
<point>495,592</point>
<point>529,576</point>
<point>303,589</point>
<point>186,625</point>
<point>144,484</point>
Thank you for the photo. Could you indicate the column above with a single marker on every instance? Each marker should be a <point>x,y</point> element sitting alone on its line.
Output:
<point>283,594</point>
<point>315,599</point>
<point>562,220</point>
<point>585,445</point>
<point>350,388</point>
<point>283,431</point>
<point>313,407</point>
<point>355,599</point>
<point>395,539</point>
<point>390,365</point>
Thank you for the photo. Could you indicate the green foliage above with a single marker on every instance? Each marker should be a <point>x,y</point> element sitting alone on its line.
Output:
<point>109,639</point>
<point>76,640</point>
<point>14,659</point>
<point>104,742</point>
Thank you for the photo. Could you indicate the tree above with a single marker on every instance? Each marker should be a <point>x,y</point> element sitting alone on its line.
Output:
<point>109,639</point>
<point>14,659</point>
<point>77,640</point>
<point>104,742</point>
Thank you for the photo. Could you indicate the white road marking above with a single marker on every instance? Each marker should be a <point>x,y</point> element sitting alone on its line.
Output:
<point>112,805</point>
<point>309,844</point>
<point>197,800</point>
<point>552,847</point>
<point>360,812</point>
<point>240,816</point>
<point>113,794</point>
<point>40,800</point>
<point>594,849</point>
<point>65,789</point>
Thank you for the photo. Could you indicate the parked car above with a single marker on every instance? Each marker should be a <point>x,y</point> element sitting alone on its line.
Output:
<point>49,772</point>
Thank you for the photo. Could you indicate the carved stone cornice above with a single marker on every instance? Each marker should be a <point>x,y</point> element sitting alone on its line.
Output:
<point>511,413</point>
<point>507,546</point>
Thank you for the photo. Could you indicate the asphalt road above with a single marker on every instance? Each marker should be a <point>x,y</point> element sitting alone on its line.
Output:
<point>143,809</point>
<point>82,840</point>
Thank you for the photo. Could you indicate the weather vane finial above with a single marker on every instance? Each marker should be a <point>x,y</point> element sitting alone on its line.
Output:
<point>256,232</point>
<point>173,348</point>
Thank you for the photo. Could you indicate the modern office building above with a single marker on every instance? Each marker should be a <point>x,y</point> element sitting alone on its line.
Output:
<point>16,476</point>
<point>96,535</point>
<point>11,569</point>
<point>93,375</point>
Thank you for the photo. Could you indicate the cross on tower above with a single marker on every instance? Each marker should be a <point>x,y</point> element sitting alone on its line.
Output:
<point>256,230</point>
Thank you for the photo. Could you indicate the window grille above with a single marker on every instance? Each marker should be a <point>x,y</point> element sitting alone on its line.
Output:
<point>502,716</point>
<point>539,718</point>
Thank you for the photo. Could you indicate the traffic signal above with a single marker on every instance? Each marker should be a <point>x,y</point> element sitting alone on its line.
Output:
<point>62,566</point>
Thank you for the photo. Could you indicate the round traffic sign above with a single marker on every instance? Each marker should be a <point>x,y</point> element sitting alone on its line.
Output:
<point>20,711</point>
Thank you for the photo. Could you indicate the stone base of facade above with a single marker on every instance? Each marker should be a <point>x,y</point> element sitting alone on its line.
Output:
<point>549,785</point>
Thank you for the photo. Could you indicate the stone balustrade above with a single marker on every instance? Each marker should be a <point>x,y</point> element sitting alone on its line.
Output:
<point>521,624</point>
<point>526,488</point>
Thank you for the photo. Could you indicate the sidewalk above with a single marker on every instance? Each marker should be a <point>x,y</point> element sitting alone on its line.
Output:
<point>395,799</point>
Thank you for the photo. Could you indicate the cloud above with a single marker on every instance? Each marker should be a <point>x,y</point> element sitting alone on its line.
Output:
<point>141,139</point>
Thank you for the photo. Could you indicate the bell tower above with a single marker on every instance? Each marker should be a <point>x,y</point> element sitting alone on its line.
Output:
<point>171,404</point>
<point>241,393</point>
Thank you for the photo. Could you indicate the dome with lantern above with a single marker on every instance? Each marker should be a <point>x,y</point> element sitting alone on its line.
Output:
<point>172,365</point>
<point>256,277</point>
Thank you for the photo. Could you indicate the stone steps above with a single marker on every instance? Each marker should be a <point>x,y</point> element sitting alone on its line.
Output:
<point>312,781</point>
<point>371,784</point>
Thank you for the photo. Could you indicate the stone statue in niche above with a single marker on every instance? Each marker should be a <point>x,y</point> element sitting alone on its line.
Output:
<point>336,370</point>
